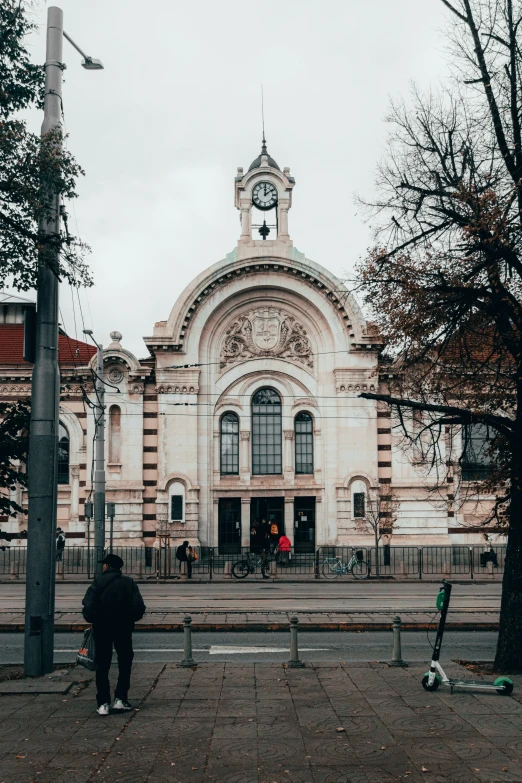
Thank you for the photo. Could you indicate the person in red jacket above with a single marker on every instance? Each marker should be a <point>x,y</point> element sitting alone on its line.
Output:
<point>284,547</point>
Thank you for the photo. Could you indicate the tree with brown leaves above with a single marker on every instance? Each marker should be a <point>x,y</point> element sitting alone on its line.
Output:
<point>444,281</point>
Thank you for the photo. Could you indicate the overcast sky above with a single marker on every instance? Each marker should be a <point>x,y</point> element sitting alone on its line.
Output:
<point>160,132</point>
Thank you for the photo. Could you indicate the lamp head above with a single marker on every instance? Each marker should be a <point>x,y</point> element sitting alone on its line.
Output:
<point>91,64</point>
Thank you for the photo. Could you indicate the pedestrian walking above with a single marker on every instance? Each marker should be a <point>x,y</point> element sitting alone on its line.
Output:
<point>182,554</point>
<point>60,544</point>
<point>264,535</point>
<point>264,564</point>
<point>113,603</point>
<point>274,535</point>
<point>284,548</point>
<point>255,537</point>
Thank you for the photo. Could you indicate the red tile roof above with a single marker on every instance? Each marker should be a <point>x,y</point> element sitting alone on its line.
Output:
<point>70,352</point>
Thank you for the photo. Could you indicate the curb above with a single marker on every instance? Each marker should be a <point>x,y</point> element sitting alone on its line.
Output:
<point>244,627</point>
<point>313,581</point>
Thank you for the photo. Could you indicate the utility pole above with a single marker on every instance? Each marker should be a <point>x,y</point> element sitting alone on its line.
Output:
<point>99,469</point>
<point>42,467</point>
<point>99,457</point>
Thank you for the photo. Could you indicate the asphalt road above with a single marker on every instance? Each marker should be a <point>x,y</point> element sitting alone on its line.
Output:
<point>271,647</point>
<point>258,596</point>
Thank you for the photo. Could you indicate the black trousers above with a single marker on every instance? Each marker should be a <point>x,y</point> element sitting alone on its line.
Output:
<point>104,639</point>
<point>189,567</point>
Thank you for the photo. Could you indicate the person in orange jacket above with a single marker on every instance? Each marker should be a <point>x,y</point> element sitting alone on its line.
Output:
<point>284,547</point>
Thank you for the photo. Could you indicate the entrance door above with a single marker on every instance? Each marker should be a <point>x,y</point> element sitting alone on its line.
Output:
<point>272,510</point>
<point>304,524</point>
<point>229,526</point>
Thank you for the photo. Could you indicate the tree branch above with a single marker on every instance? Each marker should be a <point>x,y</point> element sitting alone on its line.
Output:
<point>454,10</point>
<point>500,423</point>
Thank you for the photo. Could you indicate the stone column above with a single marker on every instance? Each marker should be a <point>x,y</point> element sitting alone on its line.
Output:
<point>321,534</point>
<point>216,468</point>
<point>246,229</point>
<point>214,536</point>
<point>244,456</point>
<point>318,454</point>
<point>288,456</point>
<point>289,519</point>
<point>283,220</point>
<point>245,522</point>
<point>75,493</point>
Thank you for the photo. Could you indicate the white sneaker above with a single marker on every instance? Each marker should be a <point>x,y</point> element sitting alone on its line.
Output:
<point>121,705</point>
<point>103,709</point>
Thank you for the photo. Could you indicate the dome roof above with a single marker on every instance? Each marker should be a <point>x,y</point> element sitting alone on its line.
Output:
<point>257,162</point>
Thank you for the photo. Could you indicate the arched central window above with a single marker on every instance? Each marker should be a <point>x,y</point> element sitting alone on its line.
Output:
<point>63,455</point>
<point>266,432</point>
<point>229,444</point>
<point>304,443</point>
<point>114,434</point>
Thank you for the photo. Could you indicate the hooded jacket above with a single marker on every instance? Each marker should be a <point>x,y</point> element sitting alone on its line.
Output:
<point>284,544</point>
<point>113,600</point>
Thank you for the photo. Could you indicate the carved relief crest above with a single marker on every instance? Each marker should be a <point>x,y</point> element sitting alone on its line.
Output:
<point>266,328</point>
<point>266,332</point>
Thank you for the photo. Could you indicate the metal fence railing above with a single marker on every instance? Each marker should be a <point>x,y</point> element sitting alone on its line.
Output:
<point>446,560</point>
<point>393,561</point>
<point>298,563</point>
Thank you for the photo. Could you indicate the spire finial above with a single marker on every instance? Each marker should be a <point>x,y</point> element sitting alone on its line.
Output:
<point>263,144</point>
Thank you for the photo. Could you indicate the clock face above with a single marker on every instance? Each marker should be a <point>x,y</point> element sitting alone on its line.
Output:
<point>264,195</point>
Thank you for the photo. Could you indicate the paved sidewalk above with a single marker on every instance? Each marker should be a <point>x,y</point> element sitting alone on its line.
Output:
<point>263,723</point>
<point>231,620</point>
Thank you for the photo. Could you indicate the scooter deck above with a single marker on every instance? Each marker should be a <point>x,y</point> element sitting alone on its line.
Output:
<point>473,684</point>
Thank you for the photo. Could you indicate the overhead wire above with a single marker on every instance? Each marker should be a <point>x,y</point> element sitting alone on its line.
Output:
<point>244,360</point>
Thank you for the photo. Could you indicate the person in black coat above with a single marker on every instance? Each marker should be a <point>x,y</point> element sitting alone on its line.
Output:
<point>112,604</point>
<point>60,544</point>
<point>182,554</point>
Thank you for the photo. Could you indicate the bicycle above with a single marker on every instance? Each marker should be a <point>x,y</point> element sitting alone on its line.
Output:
<point>357,567</point>
<point>243,568</point>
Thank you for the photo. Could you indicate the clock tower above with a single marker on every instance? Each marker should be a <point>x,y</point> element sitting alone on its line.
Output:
<point>264,195</point>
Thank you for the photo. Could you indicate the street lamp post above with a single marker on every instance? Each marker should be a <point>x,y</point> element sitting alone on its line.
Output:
<point>42,467</point>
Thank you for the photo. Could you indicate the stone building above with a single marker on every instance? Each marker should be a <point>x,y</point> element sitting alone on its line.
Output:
<point>247,406</point>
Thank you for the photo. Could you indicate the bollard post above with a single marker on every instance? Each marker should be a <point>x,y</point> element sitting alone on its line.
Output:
<point>188,660</point>
<point>397,652</point>
<point>294,662</point>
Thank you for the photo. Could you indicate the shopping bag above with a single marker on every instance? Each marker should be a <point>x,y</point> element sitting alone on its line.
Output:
<point>86,655</point>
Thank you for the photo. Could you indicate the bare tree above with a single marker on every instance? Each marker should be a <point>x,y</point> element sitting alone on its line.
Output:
<point>380,519</point>
<point>444,281</point>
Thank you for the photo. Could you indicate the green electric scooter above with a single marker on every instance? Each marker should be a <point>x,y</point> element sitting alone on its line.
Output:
<point>436,675</point>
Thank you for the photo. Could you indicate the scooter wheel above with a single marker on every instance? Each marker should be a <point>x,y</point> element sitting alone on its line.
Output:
<point>434,686</point>
<point>504,685</point>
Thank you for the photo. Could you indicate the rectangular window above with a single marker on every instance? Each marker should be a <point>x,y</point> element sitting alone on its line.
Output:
<point>176,508</point>
<point>359,504</point>
<point>477,461</point>
<point>266,438</point>
<point>229,444</point>
<point>304,444</point>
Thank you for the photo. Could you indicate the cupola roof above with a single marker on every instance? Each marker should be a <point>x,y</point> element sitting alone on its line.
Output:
<point>256,164</point>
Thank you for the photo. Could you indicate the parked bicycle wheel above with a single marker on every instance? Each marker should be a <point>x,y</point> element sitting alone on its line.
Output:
<point>332,569</point>
<point>360,570</point>
<point>241,569</point>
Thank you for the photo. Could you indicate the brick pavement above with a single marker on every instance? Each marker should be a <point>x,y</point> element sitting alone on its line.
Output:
<point>264,723</point>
